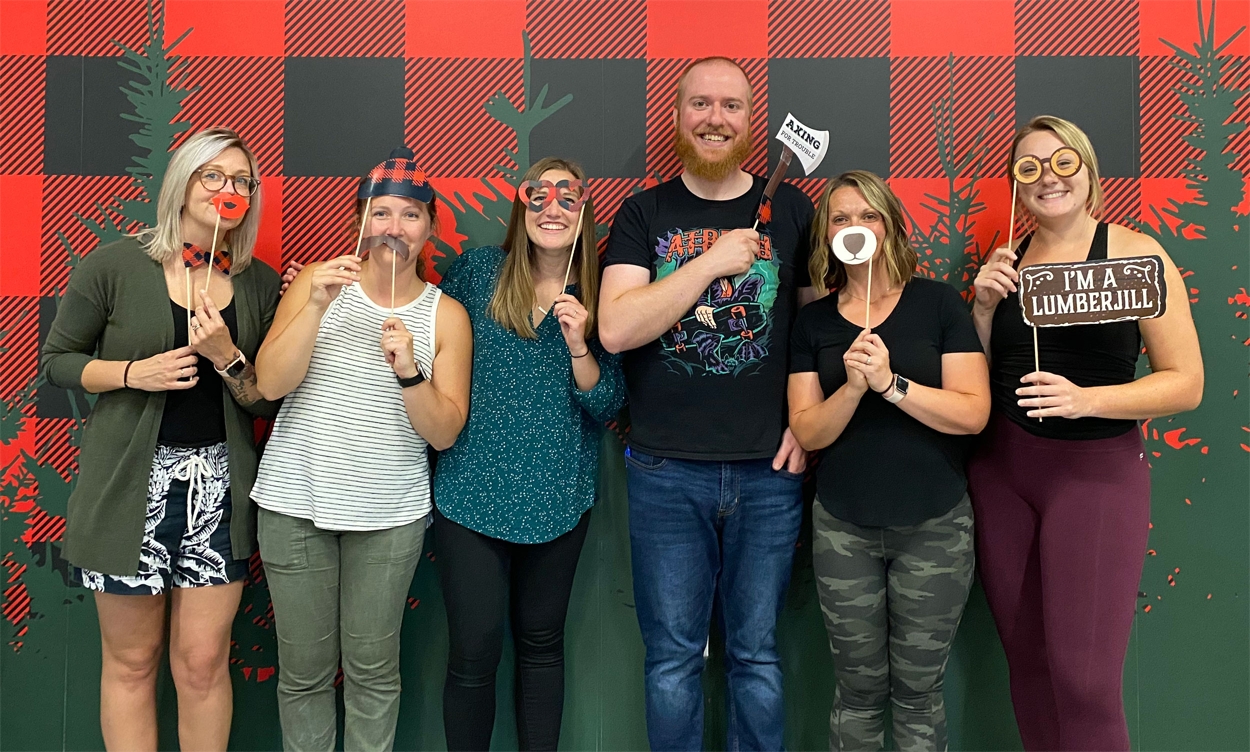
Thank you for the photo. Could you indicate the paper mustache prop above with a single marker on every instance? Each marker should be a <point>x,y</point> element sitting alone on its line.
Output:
<point>375,241</point>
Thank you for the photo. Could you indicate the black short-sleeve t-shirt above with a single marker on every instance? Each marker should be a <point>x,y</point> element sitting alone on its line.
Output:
<point>714,392</point>
<point>887,468</point>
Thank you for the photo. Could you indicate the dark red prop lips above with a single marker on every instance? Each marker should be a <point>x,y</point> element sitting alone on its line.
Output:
<point>230,205</point>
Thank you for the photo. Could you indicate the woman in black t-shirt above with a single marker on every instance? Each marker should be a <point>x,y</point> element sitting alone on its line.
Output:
<point>888,409</point>
<point>1063,503</point>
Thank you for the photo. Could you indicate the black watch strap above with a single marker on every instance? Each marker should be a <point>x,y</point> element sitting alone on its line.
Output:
<point>411,380</point>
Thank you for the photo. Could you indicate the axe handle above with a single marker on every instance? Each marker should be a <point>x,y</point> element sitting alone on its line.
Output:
<point>779,174</point>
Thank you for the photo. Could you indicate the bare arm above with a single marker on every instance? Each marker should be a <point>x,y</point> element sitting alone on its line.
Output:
<point>995,280</point>
<point>634,311</point>
<point>962,405</point>
<point>282,361</point>
<point>817,422</point>
<point>439,407</point>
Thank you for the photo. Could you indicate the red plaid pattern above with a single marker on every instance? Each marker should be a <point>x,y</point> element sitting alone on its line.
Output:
<point>193,256</point>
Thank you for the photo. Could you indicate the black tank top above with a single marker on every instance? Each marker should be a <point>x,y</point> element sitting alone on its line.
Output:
<point>1087,355</point>
<point>196,417</point>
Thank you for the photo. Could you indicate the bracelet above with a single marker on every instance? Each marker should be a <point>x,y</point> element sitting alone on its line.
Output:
<point>126,373</point>
<point>583,354</point>
<point>411,380</point>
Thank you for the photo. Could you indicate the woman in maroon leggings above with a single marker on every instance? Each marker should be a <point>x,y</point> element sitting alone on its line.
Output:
<point>1063,504</point>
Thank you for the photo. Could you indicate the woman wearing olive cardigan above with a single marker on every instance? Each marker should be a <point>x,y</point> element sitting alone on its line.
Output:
<point>161,507</point>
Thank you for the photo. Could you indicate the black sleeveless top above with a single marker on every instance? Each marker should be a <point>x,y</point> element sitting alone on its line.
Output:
<point>196,417</point>
<point>1087,355</point>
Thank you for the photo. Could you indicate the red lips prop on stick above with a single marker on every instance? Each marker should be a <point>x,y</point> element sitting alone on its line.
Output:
<point>230,206</point>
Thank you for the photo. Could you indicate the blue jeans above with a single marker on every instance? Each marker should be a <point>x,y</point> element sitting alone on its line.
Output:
<point>700,530</point>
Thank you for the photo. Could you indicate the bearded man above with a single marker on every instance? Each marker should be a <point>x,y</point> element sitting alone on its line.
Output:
<point>702,305</point>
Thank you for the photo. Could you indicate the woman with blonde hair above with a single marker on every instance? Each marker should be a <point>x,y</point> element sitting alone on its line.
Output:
<point>514,493</point>
<point>1060,483</point>
<point>161,510</point>
<point>888,409</point>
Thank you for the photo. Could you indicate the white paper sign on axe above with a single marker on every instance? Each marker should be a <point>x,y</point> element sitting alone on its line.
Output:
<point>809,145</point>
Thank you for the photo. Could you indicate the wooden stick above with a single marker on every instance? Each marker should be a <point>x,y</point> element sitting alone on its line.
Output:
<point>1011,228</point>
<point>361,236</point>
<point>573,251</point>
<point>189,304</point>
<point>393,255</point>
<point>868,298</point>
<point>212,249</point>
<point>1010,237</point>
<point>1037,366</point>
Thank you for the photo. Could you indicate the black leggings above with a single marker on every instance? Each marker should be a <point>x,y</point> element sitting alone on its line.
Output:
<point>483,578</point>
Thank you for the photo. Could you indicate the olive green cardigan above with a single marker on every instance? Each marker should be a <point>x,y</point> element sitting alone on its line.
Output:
<point>116,307</point>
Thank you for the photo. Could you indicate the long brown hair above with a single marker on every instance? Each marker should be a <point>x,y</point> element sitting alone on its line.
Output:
<point>514,300</point>
<point>900,257</point>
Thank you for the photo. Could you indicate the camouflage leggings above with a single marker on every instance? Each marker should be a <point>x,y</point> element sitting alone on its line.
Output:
<point>892,599</point>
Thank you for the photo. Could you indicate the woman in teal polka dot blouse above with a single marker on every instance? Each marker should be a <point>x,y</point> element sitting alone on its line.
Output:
<point>514,492</point>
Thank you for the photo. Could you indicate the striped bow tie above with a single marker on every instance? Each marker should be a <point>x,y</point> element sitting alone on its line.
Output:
<point>193,256</point>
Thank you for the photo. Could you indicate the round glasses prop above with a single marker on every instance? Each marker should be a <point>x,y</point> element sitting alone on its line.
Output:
<point>538,194</point>
<point>1027,170</point>
<point>1065,163</point>
<point>855,245</point>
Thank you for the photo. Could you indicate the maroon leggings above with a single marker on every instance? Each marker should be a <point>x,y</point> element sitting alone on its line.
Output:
<point>1061,537</point>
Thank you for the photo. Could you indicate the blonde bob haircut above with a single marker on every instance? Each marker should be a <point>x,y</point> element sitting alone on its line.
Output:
<point>164,241</point>
<point>1071,135</point>
<point>900,258</point>
<point>514,300</point>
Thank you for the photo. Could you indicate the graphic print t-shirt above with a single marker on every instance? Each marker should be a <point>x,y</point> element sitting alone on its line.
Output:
<point>713,387</point>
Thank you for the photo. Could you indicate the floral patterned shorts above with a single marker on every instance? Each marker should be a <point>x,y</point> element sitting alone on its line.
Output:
<point>186,534</point>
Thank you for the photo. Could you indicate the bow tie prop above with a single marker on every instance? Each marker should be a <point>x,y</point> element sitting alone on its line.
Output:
<point>1027,170</point>
<point>797,140</point>
<point>230,206</point>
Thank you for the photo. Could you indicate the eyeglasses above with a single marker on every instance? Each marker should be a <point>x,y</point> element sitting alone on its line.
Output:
<point>1065,163</point>
<point>215,180</point>
<point>538,194</point>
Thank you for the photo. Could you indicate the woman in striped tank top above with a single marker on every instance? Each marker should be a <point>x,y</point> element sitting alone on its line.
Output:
<point>373,364</point>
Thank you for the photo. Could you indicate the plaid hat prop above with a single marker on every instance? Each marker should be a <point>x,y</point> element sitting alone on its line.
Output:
<point>399,175</point>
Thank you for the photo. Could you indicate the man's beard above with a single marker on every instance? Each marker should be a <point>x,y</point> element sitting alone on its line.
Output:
<point>707,169</point>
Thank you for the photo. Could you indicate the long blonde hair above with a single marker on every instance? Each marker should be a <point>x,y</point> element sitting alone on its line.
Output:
<point>165,239</point>
<point>1071,135</point>
<point>900,258</point>
<point>514,300</point>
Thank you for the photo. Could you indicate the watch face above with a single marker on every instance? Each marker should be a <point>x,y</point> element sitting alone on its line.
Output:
<point>901,385</point>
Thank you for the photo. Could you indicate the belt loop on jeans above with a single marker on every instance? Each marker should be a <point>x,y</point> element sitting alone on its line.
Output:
<point>194,470</point>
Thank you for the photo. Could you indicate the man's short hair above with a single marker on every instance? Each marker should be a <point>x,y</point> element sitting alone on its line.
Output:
<point>681,81</point>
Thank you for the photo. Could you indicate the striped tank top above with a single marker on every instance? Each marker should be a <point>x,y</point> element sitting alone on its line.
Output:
<point>343,453</point>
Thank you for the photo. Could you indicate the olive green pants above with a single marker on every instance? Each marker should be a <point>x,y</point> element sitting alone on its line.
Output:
<point>337,597</point>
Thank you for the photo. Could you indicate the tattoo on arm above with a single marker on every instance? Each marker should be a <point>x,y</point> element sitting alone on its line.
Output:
<point>243,389</point>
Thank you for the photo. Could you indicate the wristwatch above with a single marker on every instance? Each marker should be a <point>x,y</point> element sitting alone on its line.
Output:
<point>411,380</point>
<point>234,369</point>
<point>896,395</point>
